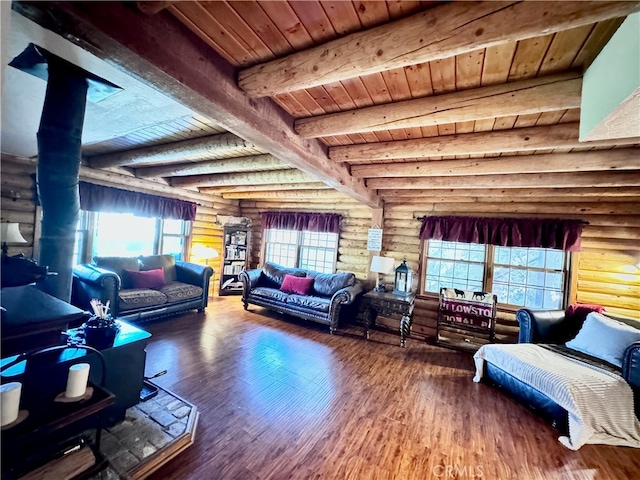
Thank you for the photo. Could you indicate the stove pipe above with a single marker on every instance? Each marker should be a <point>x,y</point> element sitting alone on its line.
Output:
<point>59,155</point>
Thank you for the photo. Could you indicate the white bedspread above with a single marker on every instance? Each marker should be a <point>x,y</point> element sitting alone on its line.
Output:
<point>600,403</point>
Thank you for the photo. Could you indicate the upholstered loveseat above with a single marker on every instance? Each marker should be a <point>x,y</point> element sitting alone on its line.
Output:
<point>319,297</point>
<point>142,288</point>
<point>581,338</point>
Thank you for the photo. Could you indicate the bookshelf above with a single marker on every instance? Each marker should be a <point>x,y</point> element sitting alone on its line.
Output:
<point>235,258</point>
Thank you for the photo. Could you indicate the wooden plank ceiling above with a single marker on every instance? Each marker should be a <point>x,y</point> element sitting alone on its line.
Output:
<point>415,98</point>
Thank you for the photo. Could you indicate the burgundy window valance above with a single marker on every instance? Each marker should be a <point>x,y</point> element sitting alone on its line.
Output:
<point>300,221</point>
<point>97,198</point>
<point>505,232</point>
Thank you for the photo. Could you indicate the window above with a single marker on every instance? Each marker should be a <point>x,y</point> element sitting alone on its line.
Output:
<point>174,237</point>
<point>126,235</point>
<point>455,265</point>
<point>530,277</point>
<point>123,235</point>
<point>309,250</point>
<point>520,277</point>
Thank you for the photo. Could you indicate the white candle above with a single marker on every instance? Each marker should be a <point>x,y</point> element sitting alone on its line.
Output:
<point>10,398</point>
<point>77,380</point>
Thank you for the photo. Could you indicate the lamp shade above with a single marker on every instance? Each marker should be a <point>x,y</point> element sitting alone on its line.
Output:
<point>381,264</point>
<point>10,233</point>
<point>202,251</point>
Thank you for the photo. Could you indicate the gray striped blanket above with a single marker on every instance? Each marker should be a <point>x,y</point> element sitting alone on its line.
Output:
<point>599,402</point>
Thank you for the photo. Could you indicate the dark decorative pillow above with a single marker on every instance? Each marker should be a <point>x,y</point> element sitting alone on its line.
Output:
<point>326,284</point>
<point>575,314</point>
<point>146,278</point>
<point>579,311</point>
<point>275,273</point>
<point>299,285</point>
<point>118,265</point>
<point>166,262</point>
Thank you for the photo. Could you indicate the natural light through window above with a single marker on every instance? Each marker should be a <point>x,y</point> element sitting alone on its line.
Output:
<point>524,277</point>
<point>532,277</point>
<point>123,235</point>
<point>126,235</point>
<point>315,251</point>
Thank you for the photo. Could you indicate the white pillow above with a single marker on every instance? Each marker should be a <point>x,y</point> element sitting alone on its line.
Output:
<point>604,338</point>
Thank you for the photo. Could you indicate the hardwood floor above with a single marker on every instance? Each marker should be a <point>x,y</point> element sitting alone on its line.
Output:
<point>286,400</point>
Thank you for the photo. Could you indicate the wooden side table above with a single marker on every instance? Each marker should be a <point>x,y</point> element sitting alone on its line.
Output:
<point>389,305</point>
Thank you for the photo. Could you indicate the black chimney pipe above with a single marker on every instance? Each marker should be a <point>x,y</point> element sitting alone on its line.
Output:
<point>59,155</point>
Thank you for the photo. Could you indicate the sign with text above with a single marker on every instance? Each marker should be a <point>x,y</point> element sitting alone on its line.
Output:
<point>465,307</point>
<point>374,240</point>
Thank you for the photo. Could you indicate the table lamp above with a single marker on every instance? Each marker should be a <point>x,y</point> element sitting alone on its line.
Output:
<point>10,233</point>
<point>381,266</point>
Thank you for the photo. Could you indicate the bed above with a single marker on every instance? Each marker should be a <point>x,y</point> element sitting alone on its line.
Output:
<point>580,373</point>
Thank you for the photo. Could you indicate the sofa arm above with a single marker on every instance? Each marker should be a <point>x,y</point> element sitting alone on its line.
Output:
<point>542,326</point>
<point>250,279</point>
<point>91,282</point>
<point>344,296</point>
<point>631,365</point>
<point>193,274</point>
<point>347,295</point>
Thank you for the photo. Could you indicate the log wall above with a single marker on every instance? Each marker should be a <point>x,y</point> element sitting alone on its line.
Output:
<point>353,255</point>
<point>605,271</point>
<point>18,193</point>
<point>19,205</point>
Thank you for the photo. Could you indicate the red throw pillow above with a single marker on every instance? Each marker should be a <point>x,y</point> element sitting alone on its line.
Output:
<point>146,278</point>
<point>299,285</point>
<point>579,311</point>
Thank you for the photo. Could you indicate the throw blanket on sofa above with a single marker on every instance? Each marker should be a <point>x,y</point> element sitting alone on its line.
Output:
<point>599,403</point>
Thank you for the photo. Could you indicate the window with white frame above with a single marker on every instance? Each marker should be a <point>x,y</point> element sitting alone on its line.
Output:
<point>520,277</point>
<point>309,250</point>
<point>124,234</point>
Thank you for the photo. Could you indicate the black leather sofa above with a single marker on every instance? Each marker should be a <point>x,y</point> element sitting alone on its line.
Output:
<point>553,327</point>
<point>186,287</point>
<point>332,295</point>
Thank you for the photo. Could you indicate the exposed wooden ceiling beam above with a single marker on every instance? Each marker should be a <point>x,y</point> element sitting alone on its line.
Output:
<point>193,74</point>
<point>154,6</point>
<point>239,164</point>
<point>513,198</point>
<point>306,194</point>
<point>527,180</point>
<point>536,95</point>
<point>557,208</point>
<point>444,31</point>
<point>567,210</point>
<point>623,159</point>
<point>195,149</point>
<point>290,175</point>
<point>577,192</point>
<point>117,180</point>
<point>499,141</point>
<point>264,188</point>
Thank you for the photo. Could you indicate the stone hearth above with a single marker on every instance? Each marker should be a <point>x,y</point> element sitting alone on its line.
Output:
<point>152,433</point>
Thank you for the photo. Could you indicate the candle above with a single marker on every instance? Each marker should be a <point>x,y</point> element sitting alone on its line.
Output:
<point>77,380</point>
<point>10,398</point>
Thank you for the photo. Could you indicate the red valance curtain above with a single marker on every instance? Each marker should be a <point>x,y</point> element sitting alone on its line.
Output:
<point>97,198</point>
<point>312,222</point>
<point>505,232</point>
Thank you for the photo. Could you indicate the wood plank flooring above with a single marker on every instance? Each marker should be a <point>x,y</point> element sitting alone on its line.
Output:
<point>282,399</point>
